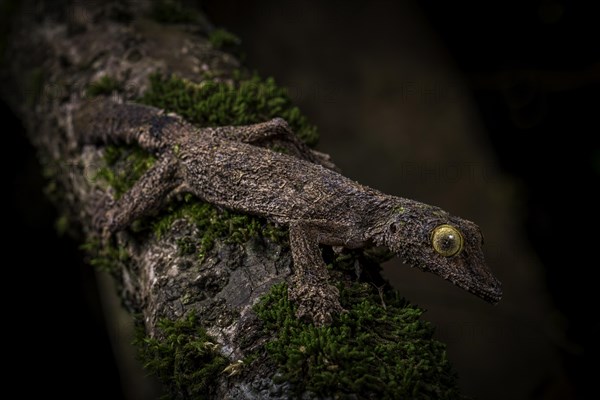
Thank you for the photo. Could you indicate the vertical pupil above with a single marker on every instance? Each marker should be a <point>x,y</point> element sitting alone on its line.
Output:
<point>448,242</point>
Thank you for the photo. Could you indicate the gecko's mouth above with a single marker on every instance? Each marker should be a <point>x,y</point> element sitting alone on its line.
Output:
<point>486,288</point>
<point>480,283</point>
<point>491,294</point>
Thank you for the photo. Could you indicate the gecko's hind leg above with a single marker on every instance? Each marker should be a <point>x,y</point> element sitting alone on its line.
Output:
<point>316,299</point>
<point>147,195</point>
<point>275,134</point>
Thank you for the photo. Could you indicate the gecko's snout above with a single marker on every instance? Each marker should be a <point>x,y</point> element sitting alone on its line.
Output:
<point>462,261</point>
<point>492,293</point>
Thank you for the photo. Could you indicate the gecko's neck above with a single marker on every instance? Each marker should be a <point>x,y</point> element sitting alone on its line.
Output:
<point>388,218</point>
<point>379,216</point>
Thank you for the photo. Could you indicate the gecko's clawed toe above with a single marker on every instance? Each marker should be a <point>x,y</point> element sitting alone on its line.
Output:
<point>316,303</point>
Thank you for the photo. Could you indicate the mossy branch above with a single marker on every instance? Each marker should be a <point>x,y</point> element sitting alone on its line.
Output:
<point>206,285</point>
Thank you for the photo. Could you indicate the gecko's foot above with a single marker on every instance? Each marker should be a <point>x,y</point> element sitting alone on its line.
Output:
<point>316,302</point>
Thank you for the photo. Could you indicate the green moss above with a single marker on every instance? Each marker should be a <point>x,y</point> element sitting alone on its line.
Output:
<point>213,224</point>
<point>124,166</point>
<point>106,257</point>
<point>379,349</point>
<point>104,86</point>
<point>172,12</point>
<point>183,356</point>
<point>186,246</point>
<point>62,225</point>
<point>247,100</point>
<point>223,39</point>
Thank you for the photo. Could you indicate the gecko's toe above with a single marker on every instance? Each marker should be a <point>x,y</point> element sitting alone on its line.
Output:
<point>319,316</point>
<point>316,303</point>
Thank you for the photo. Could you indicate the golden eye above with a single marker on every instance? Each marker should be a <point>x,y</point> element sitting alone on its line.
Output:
<point>447,240</point>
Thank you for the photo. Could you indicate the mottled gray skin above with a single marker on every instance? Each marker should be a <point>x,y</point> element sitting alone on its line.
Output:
<point>301,189</point>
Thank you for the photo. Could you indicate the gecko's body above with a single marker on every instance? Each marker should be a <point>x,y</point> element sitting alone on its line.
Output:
<point>300,189</point>
<point>266,183</point>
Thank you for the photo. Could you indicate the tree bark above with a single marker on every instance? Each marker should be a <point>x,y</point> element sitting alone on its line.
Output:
<point>56,56</point>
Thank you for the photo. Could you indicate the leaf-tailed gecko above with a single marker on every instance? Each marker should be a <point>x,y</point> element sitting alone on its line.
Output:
<point>301,189</point>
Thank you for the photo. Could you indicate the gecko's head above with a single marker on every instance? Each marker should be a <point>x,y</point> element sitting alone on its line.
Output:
<point>431,239</point>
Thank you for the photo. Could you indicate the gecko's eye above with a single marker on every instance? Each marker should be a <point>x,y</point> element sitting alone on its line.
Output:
<point>447,240</point>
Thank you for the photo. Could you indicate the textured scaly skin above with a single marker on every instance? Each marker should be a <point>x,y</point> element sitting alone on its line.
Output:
<point>301,189</point>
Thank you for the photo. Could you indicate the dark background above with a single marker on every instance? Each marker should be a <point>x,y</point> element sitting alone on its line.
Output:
<point>406,96</point>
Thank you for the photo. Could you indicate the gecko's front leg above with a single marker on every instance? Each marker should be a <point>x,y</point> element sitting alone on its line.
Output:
<point>147,195</point>
<point>316,299</point>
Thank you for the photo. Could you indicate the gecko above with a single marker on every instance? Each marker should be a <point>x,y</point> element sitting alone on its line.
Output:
<point>301,189</point>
